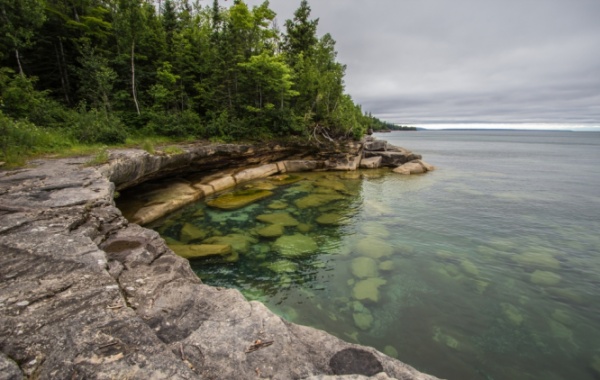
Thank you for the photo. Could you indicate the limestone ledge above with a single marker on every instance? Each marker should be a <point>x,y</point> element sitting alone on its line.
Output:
<point>86,294</point>
<point>240,164</point>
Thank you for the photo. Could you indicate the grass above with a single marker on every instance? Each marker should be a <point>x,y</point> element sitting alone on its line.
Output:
<point>101,157</point>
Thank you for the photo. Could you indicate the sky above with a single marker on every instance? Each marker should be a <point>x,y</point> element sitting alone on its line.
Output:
<point>416,62</point>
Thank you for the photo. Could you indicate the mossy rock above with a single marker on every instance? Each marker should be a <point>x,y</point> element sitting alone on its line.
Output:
<point>512,314</point>
<point>238,199</point>
<point>278,205</point>
<point>374,248</point>
<point>562,316</point>
<point>363,267</point>
<point>190,232</point>
<point>368,290</point>
<point>194,251</point>
<point>387,266</point>
<point>330,219</point>
<point>330,184</point>
<point>536,260</point>
<point>375,229</point>
<point>238,242</point>
<point>304,227</point>
<point>281,218</point>
<point>469,268</point>
<point>544,278</point>
<point>296,245</point>
<point>283,266</point>
<point>445,339</point>
<point>285,179</point>
<point>363,321</point>
<point>261,185</point>
<point>271,231</point>
<point>390,351</point>
<point>317,200</point>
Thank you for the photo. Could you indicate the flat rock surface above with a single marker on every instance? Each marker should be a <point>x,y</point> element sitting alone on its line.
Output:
<point>86,295</point>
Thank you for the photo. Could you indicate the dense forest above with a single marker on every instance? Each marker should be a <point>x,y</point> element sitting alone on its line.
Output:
<point>102,71</point>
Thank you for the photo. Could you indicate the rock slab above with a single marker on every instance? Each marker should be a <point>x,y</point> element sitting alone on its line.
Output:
<point>85,294</point>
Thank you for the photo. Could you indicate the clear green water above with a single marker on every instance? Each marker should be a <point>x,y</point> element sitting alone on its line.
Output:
<point>488,268</point>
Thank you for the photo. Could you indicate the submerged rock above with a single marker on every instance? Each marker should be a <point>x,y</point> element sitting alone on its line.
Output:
<point>390,351</point>
<point>239,199</point>
<point>317,200</point>
<point>536,260</point>
<point>191,232</point>
<point>368,290</point>
<point>330,184</point>
<point>296,245</point>
<point>545,278</point>
<point>329,219</point>
<point>374,248</point>
<point>271,231</point>
<point>283,266</point>
<point>281,218</point>
<point>363,267</point>
<point>375,229</point>
<point>194,251</point>
<point>469,268</point>
<point>362,316</point>
<point>238,242</point>
<point>448,340</point>
<point>278,205</point>
<point>512,314</point>
<point>387,265</point>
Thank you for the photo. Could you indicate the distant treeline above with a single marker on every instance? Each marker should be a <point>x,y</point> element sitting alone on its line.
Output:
<point>98,71</point>
<point>379,125</point>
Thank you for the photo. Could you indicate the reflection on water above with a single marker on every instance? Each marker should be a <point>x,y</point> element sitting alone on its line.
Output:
<point>465,279</point>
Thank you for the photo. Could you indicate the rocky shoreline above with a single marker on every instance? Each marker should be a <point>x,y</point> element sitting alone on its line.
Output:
<point>86,294</point>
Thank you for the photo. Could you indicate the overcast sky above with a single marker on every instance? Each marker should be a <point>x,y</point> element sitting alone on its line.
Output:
<point>442,61</point>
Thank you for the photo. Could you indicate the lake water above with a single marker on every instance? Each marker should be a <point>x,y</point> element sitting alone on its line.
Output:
<point>487,268</point>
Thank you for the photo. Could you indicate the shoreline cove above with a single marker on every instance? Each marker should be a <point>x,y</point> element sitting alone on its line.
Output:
<point>85,293</point>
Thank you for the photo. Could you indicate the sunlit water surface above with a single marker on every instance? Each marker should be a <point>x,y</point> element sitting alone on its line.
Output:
<point>488,268</point>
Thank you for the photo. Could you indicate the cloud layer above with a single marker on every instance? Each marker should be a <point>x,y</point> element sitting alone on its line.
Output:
<point>467,61</point>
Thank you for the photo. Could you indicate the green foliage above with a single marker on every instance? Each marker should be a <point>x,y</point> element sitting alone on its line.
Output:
<point>171,150</point>
<point>148,146</point>
<point>99,72</point>
<point>20,139</point>
<point>102,156</point>
<point>93,126</point>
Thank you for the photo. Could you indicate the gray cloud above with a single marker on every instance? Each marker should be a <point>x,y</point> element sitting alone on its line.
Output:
<point>424,61</point>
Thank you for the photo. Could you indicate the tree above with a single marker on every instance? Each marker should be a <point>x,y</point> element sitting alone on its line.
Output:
<point>20,21</point>
<point>301,34</point>
<point>129,22</point>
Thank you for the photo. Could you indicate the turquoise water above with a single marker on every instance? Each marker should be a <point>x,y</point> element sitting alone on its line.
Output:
<point>487,268</point>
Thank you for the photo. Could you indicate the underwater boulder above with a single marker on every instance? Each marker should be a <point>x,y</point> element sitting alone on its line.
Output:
<point>238,199</point>
<point>190,232</point>
<point>536,260</point>
<point>329,219</point>
<point>271,231</point>
<point>362,316</point>
<point>544,278</point>
<point>281,218</point>
<point>317,200</point>
<point>363,267</point>
<point>296,245</point>
<point>238,242</point>
<point>193,251</point>
<point>512,314</point>
<point>374,248</point>
<point>283,266</point>
<point>278,205</point>
<point>368,290</point>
